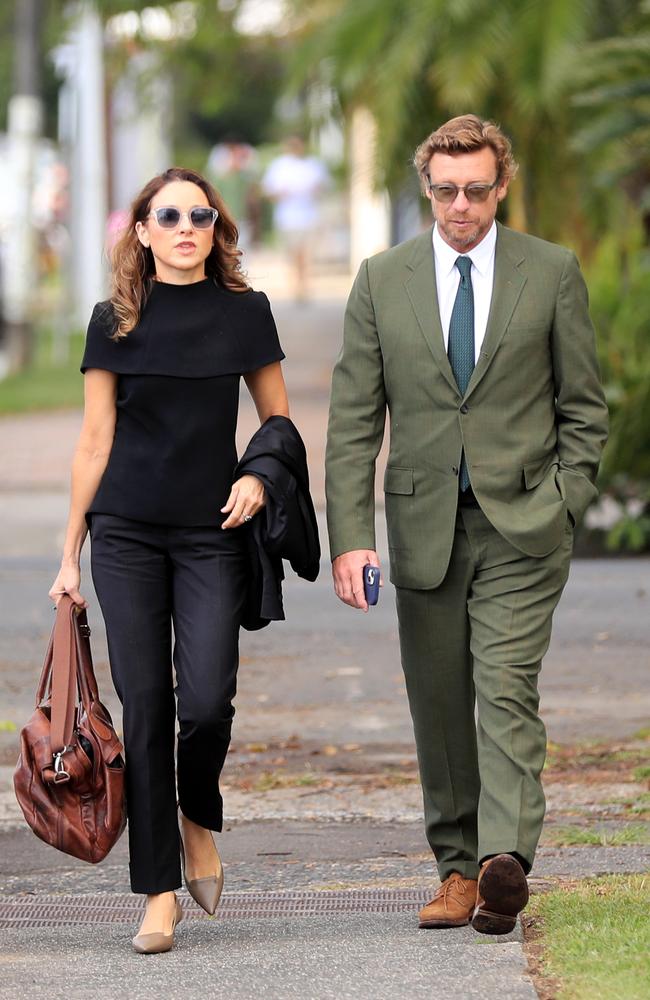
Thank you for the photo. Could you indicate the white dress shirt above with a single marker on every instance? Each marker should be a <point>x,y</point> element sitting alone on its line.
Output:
<point>482,277</point>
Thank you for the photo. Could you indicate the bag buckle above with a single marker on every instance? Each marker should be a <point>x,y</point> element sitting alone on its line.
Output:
<point>60,773</point>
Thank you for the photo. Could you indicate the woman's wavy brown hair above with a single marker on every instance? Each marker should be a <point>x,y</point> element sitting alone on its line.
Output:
<point>132,264</point>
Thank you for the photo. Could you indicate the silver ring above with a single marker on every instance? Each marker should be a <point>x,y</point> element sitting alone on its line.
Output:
<point>247,517</point>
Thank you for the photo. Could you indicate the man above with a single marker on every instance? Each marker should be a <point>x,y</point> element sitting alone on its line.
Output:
<point>294,181</point>
<point>478,340</point>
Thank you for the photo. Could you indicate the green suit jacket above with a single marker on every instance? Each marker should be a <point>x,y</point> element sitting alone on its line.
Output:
<point>533,421</point>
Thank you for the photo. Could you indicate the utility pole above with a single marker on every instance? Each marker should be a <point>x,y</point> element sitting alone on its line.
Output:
<point>24,128</point>
<point>89,171</point>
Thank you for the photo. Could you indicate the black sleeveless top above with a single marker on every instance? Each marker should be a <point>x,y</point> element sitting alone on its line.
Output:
<point>178,370</point>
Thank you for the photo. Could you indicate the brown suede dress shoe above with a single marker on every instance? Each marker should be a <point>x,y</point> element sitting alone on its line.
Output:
<point>502,894</point>
<point>452,905</point>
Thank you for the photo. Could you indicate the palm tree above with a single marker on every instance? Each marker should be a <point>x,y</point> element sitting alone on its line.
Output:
<point>415,64</point>
<point>613,88</point>
<point>613,94</point>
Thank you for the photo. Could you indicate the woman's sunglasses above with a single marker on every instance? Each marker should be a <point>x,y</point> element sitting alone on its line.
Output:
<point>199,217</point>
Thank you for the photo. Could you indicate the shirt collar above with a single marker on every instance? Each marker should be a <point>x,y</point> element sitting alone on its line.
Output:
<point>481,255</point>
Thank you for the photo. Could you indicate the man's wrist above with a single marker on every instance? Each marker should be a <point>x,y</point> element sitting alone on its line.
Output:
<point>352,549</point>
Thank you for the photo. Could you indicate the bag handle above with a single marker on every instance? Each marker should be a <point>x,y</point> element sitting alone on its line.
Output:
<point>43,683</point>
<point>64,676</point>
<point>86,675</point>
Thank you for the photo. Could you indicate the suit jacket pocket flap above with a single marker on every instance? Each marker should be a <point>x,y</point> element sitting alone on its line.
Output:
<point>398,480</point>
<point>534,472</point>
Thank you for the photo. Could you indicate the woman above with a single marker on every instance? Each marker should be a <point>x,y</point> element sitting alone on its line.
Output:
<point>152,477</point>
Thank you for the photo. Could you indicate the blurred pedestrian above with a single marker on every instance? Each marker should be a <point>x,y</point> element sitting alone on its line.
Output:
<point>170,530</point>
<point>233,168</point>
<point>294,181</point>
<point>50,205</point>
<point>478,339</point>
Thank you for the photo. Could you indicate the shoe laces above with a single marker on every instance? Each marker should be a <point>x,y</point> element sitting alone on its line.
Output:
<point>448,888</point>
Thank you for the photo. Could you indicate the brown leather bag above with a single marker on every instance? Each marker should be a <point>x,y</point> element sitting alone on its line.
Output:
<point>69,780</point>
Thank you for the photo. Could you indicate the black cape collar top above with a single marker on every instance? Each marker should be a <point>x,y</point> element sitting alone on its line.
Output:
<point>198,330</point>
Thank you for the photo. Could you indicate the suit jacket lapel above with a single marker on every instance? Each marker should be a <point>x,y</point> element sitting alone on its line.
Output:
<point>509,281</point>
<point>421,290</point>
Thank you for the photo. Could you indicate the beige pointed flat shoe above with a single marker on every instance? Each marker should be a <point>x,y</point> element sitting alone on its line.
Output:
<point>154,944</point>
<point>206,891</point>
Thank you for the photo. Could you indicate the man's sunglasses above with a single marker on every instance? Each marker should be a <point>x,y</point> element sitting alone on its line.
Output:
<point>447,193</point>
<point>200,217</point>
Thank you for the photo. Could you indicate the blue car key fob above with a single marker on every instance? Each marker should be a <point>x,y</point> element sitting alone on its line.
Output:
<point>371,578</point>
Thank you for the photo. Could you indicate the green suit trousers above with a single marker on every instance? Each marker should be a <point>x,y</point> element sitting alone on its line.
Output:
<point>477,640</point>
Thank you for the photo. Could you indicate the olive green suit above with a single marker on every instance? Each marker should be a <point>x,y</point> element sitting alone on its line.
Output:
<point>476,589</point>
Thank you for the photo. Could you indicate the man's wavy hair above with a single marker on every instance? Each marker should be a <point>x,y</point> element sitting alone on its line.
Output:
<point>466,134</point>
<point>132,264</point>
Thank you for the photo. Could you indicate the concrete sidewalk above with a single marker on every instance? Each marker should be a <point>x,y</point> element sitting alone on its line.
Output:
<point>360,957</point>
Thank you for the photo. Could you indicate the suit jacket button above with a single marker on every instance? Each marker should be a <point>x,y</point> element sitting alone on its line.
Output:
<point>464,408</point>
<point>454,469</point>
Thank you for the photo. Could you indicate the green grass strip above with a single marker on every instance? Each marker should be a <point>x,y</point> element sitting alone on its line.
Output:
<point>571,836</point>
<point>596,938</point>
<point>44,385</point>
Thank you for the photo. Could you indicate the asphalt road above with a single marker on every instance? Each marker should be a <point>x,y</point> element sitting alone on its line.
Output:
<point>335,674</point>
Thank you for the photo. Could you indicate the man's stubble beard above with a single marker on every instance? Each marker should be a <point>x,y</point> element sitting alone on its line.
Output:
<point>463,241</point>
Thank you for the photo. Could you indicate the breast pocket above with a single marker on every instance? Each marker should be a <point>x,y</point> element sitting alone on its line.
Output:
<point>528,329</point>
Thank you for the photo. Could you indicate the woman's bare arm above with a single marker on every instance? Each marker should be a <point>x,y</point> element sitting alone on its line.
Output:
<point>88,465</point>
<point>266,386</point>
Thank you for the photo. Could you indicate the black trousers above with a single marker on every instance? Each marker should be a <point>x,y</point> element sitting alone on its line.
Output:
<point>148,577</point>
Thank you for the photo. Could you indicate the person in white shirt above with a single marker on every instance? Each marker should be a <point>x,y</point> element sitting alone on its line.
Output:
<point>294,181</point>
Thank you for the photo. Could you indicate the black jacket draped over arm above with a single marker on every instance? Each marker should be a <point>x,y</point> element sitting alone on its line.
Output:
<point>286,527</point>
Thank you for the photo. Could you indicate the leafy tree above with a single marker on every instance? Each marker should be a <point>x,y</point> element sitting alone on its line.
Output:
<point>50,36</point>
<point>417,64</point>
<point>224,82</point>
<point>613,95</point>
<point>619,279</point>
<point>569,82</point>
<point>613,90</point>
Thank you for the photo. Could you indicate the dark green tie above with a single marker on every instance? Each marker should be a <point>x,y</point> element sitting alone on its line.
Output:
<point>461,341</point>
